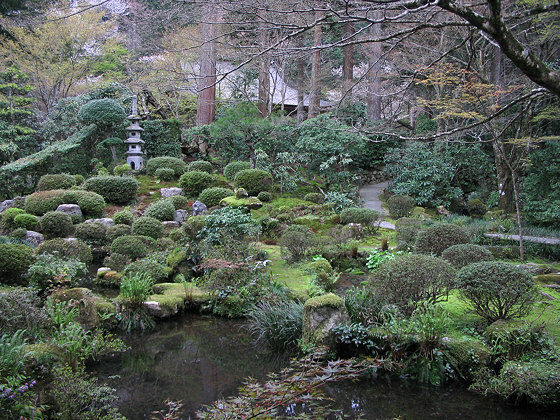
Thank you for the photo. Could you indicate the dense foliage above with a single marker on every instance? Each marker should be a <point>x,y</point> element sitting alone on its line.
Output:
<point>114,189</point>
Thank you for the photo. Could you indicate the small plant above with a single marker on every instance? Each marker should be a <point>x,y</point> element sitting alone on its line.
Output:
<point>92,233</point>
<point>296,241</point>
<point>147,226</point>
<point>340,201</point>
<point>135,290</point>
<point>464,254</point>
<point>123,169</point>
<point>26,221</point>
<point>8,217</point>
<point>400,206</point>
<point>50,272</point>
<point>496,290</point>
<point>115,231</point>
<point>132,246</point>
<point>264,196</point>
<point>316,198</point>
<point>476,208</point>
<point>376,257</point>
<point>123,217</point>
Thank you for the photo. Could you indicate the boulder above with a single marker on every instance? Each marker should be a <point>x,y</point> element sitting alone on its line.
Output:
<point>6,204</point>
<point>35,238</point>
<point>536,269</point>
<point>107,221</point>
<point>70,209</point>
<point>168,226</point>
<point>199,208</point>
<point>170,192</point>
<point>320,315</point>
<point>181,216</point>
<point>102,270</point>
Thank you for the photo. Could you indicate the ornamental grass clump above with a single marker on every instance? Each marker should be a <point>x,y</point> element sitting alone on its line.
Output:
<point>496,290</point>
<point>135,290</point>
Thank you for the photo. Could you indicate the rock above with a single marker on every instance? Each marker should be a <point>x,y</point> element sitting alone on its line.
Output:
<point>170,192</point>
<point>548,278</point>
<point>180,216</point>
<point>6,204</point>
<point>443,211</point>
<point>534,269</point>
<point>88,304</point>
<point>168,226</point>
<point>102,270</point>
<point>35,238</point>
<point>70,209</point>
<point>547,296</point>
<point>241,193</point>
<point>107,221</point>
<point>320,315</point>
<point>199,208</point>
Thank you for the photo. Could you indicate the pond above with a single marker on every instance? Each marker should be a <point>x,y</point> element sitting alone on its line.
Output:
<point>198,359</point>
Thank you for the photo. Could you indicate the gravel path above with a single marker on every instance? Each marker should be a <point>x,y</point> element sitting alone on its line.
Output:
<point>370,194</point>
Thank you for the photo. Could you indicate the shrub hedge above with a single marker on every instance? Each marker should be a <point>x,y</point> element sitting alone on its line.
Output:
<point>147,226</point>
<point>56,182</point>
<point>133,246</point>
<point>92,233</point>
<point>15,260</point>
<point>91,203</point>
<point>464,254</point>
<point>366,217</point>
<point>66,249</point>
<point>174,163</point>
<point>400,206</point>
<point>114,189</point>
<point>194,182</point>
<point>200,165</point>
<point>180,202</point>
<point>232,168</point>
<point>213,196</point>
<point>123,217</point>
<point>55,224</point>
<point>113,232</point>
<point>26,221</point>
<point>253,180</point>
<point>437,238</point>
<point>164,174</point>
<point>162,210</point>
<point>9,216</point>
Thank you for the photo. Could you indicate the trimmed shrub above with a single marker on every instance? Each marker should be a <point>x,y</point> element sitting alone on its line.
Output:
<point>147,226</point>
<point>120,170</point>
<point>177,234</point>
<point>91,203</point>
<point>213,196</point>
<point>194,182</point>
<point>56,182</point>
<point>409,279</point>
<point>102,112</point>
<point>253,180</point>
<point>155,270</point>
<point>164,174</point>
<point>296,241</point>
<point>176,164</point>
<point>497,290</point>
<point>116,261</point>
<point>114,189</point>
<point>66,249</point>
<point>316,198</point>
<point>193,225</point>
<point>79,179</point>
<point>464,254</point>
<point>232,168</point>
<point>123,217</point>
<point>133,246</point>
<point>55,224</point>
<point>15,260</point>
<point>113,232</point>
<point>200,165</point>
<point>92,233</point>
<point>9,216</point>
<point>162,210</point>
<point>476,208</point>
<point>19,233</point>
<point>264,196</point>
<point>437,238</point>
<point>400,206</point>
<point>366,217</point>
<point>406,232</point>
<point>180,202</point>
<point>41,202</point>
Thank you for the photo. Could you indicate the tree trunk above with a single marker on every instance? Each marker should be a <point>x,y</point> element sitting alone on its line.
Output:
<point>374,79</point>
<point>315,94</point>
<point>348,64</point>
<point>300,111</point>
<point>264,75</point>
<point>206,109</point>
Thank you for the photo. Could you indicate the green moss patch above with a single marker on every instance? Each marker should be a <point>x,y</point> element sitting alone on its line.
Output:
<point>329,300</point>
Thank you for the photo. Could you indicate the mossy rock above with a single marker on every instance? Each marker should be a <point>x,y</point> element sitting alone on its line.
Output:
<point>86,301</point>
<point>314,222</point>
<point>252,203</point>
<point>320,315</point>
<point>171,298</point>
<point>553,278</point>
<point>502,327</point>
<point>467,355</point>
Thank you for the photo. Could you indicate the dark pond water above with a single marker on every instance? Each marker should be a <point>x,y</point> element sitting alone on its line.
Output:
<point>198,359</point>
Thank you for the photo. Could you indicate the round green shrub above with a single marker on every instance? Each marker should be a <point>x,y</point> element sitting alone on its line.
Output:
<point>176,164</point>
<point>296,241</point>
<point>200,165</point>
<point>265,196</point>
<point>114,189</point>
<point>133,246</point>
<point>400,206</point>
<point>66,249</point>
<point>284,217</point>
<point>123,217</point>
<point>116,261</point>
<point>19,233</point>
<point>147,265</point>
<point>120,170</point>
<point>165,244</point>
<point>43,201</point>
<point>162,210</point>
<point>147,226</point>
<point>55,224</point>
<point>409,279</point>
<point>56,182</point>
<point>316,198</point>
<point>9,216</point>
<point>180,202</point>
<point>195,182</point>
<point>497,290</point>
<point>253,180</point>
<point>232,168</point>
<point>164,174</point>
<point>79,179</point>
<point>213,196</point>
<point>15,260</point>
<point>437,238</point>
<point>92,233</point>
<point>366,217</point>
<point>177,234</point>
<point>476,207</point>
<point>113,232</point>
<point>406,230</point>
<point>91,203</point>
<point>102,112</point>
<point>464,254</point>
<point>193,225</point>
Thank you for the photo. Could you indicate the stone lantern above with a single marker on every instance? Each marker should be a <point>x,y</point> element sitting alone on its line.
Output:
<point>134,142</point>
